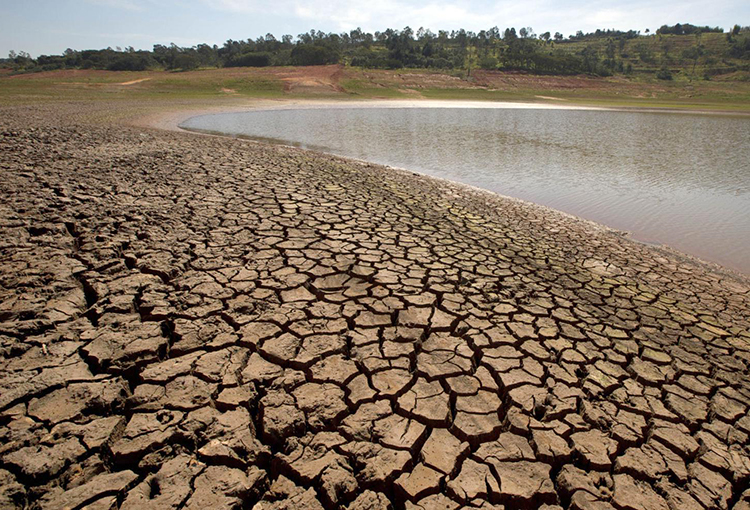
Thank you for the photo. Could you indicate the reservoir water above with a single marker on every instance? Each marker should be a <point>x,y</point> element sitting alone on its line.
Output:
<point>677,179</point>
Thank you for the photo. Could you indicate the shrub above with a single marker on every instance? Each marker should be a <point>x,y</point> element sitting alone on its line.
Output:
<point>186,62</point>
<point>439,63</point>
<point>313,55</point>
<point>393,63</point>
<point>664,73</point>
<point>249,60</point>
<point>488,63</point>
<point>124,62</point>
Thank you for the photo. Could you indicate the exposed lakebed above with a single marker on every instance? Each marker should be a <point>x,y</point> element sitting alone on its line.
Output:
<point>677,179</point>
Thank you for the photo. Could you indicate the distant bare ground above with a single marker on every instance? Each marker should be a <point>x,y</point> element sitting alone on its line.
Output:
<point>729,92</point>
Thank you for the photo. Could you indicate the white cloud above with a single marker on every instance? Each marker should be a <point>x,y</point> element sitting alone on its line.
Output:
<point>128,5</point>
<point>369,15</point>
<point>388,14</point>
<point>565,16</point>
<point>125,39</point>
<point>238,5</point>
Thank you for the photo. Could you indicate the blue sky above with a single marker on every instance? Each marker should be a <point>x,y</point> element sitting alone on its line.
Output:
<point>51,26</point>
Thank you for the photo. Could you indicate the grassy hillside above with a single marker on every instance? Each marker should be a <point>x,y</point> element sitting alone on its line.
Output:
<point>680,51</point>
<point>647,54</point>
<point>347,83</point>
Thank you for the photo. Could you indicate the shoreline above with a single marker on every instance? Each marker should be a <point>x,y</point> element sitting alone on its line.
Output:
<point>171,121</point>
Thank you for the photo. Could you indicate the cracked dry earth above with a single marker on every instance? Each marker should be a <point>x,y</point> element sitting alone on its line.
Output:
<point>196,322</point>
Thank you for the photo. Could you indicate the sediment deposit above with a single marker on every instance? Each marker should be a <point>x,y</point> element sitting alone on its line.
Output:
<point>198,322</point>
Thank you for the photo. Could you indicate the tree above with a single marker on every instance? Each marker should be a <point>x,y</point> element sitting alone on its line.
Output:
<point>740,46</point>
<point>488,63</point>
<point>249,60</point>
<point>693,53</point>
<point>666,47</point>
<point>187,61</point>
<point>21,59</point>
<point>605,51</point>
<point>313,55</point>
<point>644,52</point>
<point>664,73</point>
<point>610,52</point>
<point>471,60</point>
<point>461,38</point>
<point>591,60</point>
<point>207,55</point>
<point>136,61</point>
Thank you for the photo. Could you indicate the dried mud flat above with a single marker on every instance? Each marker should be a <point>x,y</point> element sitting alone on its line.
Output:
<point>198,322</point>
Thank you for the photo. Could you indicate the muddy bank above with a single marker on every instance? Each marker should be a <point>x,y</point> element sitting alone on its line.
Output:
<point>193,321</point>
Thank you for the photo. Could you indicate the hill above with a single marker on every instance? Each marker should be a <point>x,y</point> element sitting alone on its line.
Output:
<point>341,82</point>
<point>679,51</point>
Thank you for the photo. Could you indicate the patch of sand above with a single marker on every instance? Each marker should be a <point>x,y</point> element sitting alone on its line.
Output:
<point>551,98</point>
<point>133,82</point>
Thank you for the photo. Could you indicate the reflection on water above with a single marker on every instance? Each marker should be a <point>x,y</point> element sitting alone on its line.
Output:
<point>682,180</point>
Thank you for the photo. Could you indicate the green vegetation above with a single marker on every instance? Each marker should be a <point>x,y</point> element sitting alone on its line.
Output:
<point>95,85</point>
<point>680,66</point>
<point>681,50</point>
<point>337,82</point>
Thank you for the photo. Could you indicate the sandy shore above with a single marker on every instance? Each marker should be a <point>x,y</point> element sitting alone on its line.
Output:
<point>171,118</point>
<point>192,321</point>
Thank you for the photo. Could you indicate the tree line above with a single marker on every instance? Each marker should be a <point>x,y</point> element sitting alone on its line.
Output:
<point>602,52</point>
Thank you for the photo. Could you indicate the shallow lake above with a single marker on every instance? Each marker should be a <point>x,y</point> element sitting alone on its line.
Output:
<point>677,179</point>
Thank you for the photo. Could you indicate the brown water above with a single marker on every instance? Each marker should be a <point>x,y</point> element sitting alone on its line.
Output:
<point>676,179</point>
